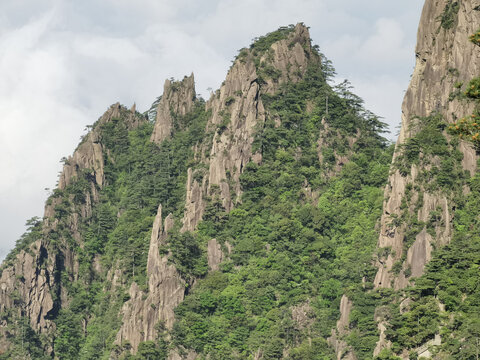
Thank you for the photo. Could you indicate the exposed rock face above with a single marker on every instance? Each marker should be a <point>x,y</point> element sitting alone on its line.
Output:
<point>215,255</point>
<point>32,280</point>
<point>174,355</point>
<point>424,351</point>
<point>89,154</point>
<point>290,56</point>
<point>177,100</point>
<point>194,202</point>
<point>302,316</point>
<point>237,109</point>
<point>444,57</point>
<point>166,289</point>
<point>340,346</point>
<point>33,284</point>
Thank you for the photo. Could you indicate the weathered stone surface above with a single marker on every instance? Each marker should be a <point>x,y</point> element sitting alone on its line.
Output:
<point>420,253</point>
<point>33,285</point>
<point>424,351</point>
<point>335,340</point>
<point>89,154</point>
<point>382,341</point>
<point>166,289</point>
<point>194,202</point>
<point>444,58</point>
<point>174,355</point>
<point>238,106</point>
<point>302,316</point>
<point>238,102</point>
<point>178,99</point>
<point>214,254</point>
<point>33,273</point>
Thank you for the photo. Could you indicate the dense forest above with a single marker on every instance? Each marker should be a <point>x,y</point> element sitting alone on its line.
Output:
<point>295,275</point>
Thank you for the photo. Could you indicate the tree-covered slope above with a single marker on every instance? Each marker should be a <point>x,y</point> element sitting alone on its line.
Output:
<point>269,222</point>
<point>299,238</point>
<point>287,172</point>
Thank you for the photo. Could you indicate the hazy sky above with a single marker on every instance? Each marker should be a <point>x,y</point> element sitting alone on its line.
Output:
<point>62,63</point>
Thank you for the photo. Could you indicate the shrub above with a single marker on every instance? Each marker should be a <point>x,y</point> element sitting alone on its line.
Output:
<point>467,128</point>
<point>473,89</point>
<point>475,38</point>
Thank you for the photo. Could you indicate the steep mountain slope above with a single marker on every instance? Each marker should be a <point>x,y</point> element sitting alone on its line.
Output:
<point>446,61</point>
<point>257,224</point>
<point>245,264</point>
<point>431,195</point>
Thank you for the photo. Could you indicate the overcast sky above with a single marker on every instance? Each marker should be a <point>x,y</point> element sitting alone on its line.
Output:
<point>62,63</point>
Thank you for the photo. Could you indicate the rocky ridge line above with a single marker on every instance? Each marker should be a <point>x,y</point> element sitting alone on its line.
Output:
<point>429,92</point>
<point>31,283</point>
<point>237,109</point>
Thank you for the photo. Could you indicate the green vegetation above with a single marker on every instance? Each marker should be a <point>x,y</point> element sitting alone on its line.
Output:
<point>33,233</point>
<point>444,300</point>
<point>263,43</point>
<point>450,282</point>
<point>475,38</point>
<point>467,128</point>
<point>430,149</point>
<point>449,15</point>
<point>139,175</point>
<point>289,250</point>
<point>27,343</point>
<point>473,89</point>
<point>300,237</point>
<point>302,234</point>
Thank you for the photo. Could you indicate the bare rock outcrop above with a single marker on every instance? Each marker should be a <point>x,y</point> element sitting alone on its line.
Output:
<point>215,254</point>
<point>178,99</point>
<point>31,281</point>
<point>444,58</point>
<point>33,284</point>
<point>89,155</point>
<point>166,289</point>
<point>237,110</point>
<point>194,202</point>
<point>302,316</point>
<point>341,348</point>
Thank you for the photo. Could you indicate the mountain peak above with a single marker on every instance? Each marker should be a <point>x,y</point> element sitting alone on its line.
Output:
<point>177,100</point>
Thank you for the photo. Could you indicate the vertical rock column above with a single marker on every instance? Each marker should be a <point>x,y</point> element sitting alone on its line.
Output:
<point>444,58</point>
<point>178,99</point>
<point>166,289</point>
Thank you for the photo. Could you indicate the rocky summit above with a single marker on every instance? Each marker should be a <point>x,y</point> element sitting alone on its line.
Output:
<point>271,221</point>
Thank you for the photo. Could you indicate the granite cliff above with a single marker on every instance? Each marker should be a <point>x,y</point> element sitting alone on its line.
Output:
<point>444,58</point>
<point>273,189</point>
<point>420,206</point>
<point>31,286</point>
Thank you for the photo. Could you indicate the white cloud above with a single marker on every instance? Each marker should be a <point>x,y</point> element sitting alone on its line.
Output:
<point>63,63</point>
<point>378,93</point>
<point>387,45</point>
